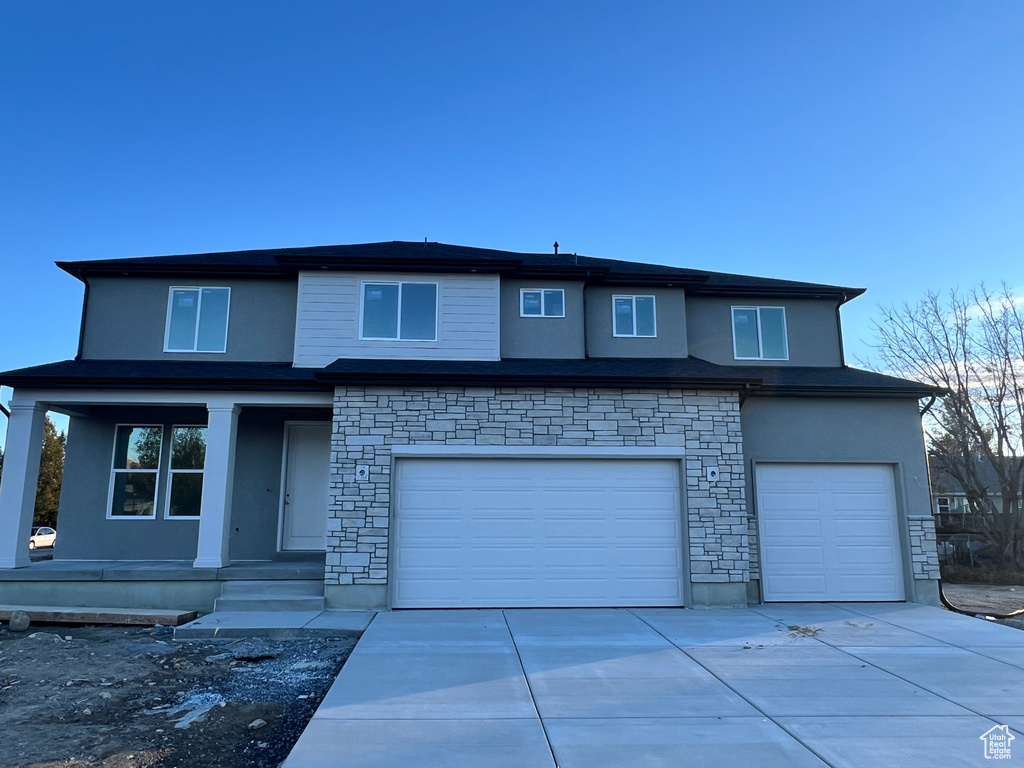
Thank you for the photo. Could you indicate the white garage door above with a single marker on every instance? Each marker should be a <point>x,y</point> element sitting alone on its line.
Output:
<point>828,532</point>
<point>537,532</point>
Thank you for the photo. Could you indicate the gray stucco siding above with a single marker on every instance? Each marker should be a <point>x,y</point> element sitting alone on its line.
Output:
<point>670,314</point>
<point>256,493</point>
<point>810,430</point>
<point>126,319</point>
<point>541,337</point>
<point>811,330</point>
<point>84,531</point>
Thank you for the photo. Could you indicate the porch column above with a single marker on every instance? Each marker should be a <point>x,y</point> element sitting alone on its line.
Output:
<point>21,475</point>
<point>218,478</point>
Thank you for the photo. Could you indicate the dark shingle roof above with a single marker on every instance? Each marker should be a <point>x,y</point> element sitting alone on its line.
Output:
<point>412,256</point>
<point>164,374</point>
<point>650,373</point>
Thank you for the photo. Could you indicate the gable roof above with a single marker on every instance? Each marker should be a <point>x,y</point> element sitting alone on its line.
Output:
<point>433,257</point>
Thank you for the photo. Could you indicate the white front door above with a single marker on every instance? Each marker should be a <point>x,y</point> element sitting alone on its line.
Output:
<point>537,533</point>
<point>307,477</point>
<point>828,532</point>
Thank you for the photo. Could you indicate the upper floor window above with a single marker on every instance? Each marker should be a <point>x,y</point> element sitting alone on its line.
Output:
<point>942,504</point>
<point>197,320</point>
<point>759,333</point>
<point>399,311</point>
<point>545,302</point>
<point>633,316</point>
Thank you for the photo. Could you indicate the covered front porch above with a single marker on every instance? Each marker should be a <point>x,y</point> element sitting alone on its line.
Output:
<point>117,546</point>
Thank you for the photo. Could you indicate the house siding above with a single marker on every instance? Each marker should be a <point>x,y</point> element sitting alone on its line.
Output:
<point>126,318</point>
<point>812,330</point>
<point>327,319</point>
<point>370,421</point>
<point>810,430</point>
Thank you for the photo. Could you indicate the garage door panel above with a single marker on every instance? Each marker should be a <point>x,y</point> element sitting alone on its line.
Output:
<point>844,547</point>
<point>789,528</point>
<point>795,555</point>
<point>564,533</point>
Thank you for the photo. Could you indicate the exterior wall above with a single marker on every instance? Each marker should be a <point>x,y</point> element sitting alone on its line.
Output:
<point>126,318</point>
<point>84,532</point>
<point>327,324</point>
<point>370,421</point>
<point>670,324</point>
<point>256,494</point>
<point>542,337</point>
<point>849,430</point>
<point>87,534</point>
<point>811,328</point>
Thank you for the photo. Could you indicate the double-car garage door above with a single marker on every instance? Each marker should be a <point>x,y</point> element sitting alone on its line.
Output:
<point>496,532</point>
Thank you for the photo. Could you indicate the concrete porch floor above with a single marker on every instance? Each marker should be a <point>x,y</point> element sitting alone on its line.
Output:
<point>773,685</point>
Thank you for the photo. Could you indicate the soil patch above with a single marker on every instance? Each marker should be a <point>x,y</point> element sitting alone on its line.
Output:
<point>111,697</point>
<point>988,599</point>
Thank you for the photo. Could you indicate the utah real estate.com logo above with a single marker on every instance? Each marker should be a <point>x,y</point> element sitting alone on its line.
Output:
<point>997,742</point>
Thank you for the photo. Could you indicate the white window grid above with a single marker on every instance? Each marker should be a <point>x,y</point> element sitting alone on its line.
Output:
<point>543,301</point>
<point>632,299</point>
<point>760,337</point>
<point>171,472</point>
<point>114,471</point>
<point>399,283</point>
<point>199,313</point>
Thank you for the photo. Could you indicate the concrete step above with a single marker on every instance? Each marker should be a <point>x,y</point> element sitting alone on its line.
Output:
<point>273,588</point>
<point>274,603</point>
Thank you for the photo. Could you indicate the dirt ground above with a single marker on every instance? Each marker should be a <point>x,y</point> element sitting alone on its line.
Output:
<point>116,697</point>
<point>988,599</point>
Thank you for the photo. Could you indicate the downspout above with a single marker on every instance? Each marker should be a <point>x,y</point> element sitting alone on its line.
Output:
<point>586,323</point>
<point>85,308</point>
<point>839,327</point>
<point>929,405</point>
<point>744,395</point>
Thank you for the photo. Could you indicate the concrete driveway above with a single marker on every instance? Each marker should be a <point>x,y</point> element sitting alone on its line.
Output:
<point>780,685</point>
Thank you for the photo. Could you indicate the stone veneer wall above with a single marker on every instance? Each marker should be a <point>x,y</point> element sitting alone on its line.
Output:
<point>368,421</point>
<point>923,551</point>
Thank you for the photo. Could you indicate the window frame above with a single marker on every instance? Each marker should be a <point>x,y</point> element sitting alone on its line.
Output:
<point>156,472</point>
<point>632,298</point>
<point>199,313</point>
<point>398,325</point>
<point>543,302</point>
<point>938,505</point>
<point>171,471</point>
<point>760,336</point>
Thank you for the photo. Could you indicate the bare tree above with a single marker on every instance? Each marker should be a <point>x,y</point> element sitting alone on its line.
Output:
<point>972,344</point>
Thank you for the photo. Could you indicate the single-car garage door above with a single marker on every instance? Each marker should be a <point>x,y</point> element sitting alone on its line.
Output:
<point>537,532</point>
<point>828,532</point>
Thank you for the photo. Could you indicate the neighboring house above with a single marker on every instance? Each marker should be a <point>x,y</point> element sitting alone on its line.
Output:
<point>953,512</point>
<point>442,426</point>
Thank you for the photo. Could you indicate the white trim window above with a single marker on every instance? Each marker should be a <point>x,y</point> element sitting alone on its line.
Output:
<point>541,302</point>
<point>634,316</point>
<point>135,472</point>
<point>405,311</point>
<point>185,477</point>
<point>942,505</point>
<point>197,319</point>
<point>759,333</point>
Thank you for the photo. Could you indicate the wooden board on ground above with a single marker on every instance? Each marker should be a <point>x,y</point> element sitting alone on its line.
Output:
<point>146,617</point>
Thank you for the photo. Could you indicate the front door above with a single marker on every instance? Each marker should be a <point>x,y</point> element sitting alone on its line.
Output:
<point>307,476</point>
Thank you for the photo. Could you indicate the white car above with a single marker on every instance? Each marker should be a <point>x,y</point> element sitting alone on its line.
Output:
<point>42,537</point>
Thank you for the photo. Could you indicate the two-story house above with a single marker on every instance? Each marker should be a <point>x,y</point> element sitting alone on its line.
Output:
<point>427,425</point>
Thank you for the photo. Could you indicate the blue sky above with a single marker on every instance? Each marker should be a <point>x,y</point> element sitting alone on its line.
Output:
<point>871,144</point>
